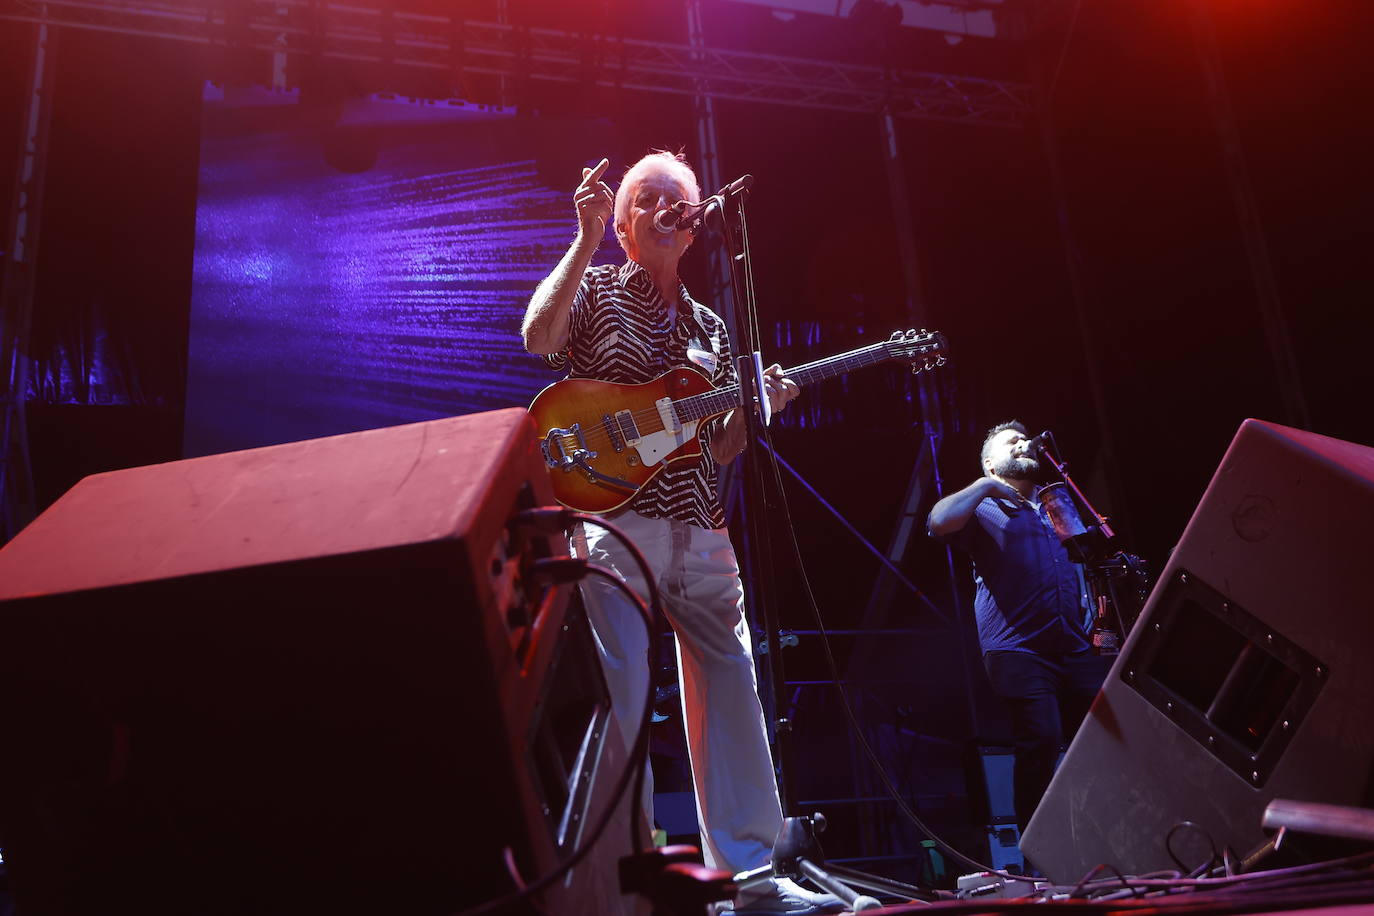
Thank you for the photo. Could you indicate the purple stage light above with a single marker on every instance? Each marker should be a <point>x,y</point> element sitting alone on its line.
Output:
<point>327,301</point>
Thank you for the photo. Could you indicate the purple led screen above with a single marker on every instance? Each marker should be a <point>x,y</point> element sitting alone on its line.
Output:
<point>369,266</point>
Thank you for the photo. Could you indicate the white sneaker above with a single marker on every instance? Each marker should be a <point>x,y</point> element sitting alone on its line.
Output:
<point>785,896</point>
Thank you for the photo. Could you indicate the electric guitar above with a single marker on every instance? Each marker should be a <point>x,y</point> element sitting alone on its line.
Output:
<point>604,441</point>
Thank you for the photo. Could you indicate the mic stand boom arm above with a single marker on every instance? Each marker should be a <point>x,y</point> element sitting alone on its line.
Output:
<point>1095,551</point>
<point>1062,469</point>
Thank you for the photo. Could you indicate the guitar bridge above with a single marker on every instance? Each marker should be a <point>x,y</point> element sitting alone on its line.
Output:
<point>557,454</point>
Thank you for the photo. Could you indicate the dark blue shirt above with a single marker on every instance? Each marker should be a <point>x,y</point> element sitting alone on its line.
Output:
<point>1029,591</point>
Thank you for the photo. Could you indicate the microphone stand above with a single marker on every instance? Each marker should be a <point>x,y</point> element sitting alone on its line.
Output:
<point>1062,469</point>
<point>1092,546</point>
<point>726,209</point>
<point>796,853</point>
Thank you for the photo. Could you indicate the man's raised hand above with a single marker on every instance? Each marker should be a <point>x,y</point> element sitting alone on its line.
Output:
<point>594,202</point>
<point>996,486</point>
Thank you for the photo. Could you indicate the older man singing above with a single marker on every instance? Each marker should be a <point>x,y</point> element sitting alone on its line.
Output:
<point>630,324</point>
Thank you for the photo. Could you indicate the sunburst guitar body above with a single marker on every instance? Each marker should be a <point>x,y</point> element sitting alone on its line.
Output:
<point>603,442</point>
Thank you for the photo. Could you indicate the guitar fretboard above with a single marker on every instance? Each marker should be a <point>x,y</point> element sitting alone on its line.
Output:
<point>711,403</point>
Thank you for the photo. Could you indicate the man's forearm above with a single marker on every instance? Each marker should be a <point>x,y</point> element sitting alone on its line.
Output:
<point>729,441</point>
<point>953,512</point>
<point>545,328</point>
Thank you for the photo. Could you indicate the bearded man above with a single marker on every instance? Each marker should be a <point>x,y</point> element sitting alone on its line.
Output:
<point>1030,607</point>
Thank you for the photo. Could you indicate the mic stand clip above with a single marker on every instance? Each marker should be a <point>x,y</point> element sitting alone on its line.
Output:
<point>1092,546</point>
<point>753,392</point>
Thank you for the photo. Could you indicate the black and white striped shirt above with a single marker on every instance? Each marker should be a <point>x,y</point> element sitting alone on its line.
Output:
<point>619,331</point>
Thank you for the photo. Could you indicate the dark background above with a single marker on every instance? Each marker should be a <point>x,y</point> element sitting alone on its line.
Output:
<point>1168,314</point>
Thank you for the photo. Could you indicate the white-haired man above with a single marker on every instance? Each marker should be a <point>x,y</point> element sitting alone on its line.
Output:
<point>630,324</point>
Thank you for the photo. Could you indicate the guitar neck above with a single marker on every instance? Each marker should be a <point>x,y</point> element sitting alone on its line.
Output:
<point>723,399</point>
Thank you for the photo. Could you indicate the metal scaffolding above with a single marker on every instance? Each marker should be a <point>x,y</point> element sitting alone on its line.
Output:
<point>18,503</point>
<point>374,35</point>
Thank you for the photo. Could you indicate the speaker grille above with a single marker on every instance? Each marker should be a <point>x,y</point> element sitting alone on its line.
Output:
<point>1237,685</point>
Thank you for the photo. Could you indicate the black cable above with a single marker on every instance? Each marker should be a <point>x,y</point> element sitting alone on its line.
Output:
<point>1095,869</point>
<point>888,564</point>
<point>757,559</point>
<point>1332,880</point>
<point>746,283</point>
<point>560,518</point>
<point>1229,861</point>
<point>634,764</point>
<point>1315,874</point>
<point>1077,888</point>
<point>563,569</point>
<point>853,719</point>
<point>750,292</point>
<point>1169,848</point>
<point>654,624</point>
<point>855,727</point>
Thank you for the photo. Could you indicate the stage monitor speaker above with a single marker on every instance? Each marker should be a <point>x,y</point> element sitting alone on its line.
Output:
<point>1246,678</point>
<point>304,678</point>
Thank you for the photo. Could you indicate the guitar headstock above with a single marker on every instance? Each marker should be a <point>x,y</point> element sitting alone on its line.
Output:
<point>923,349</point>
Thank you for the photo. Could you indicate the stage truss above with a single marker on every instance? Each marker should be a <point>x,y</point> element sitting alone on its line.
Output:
<point>300,28</point>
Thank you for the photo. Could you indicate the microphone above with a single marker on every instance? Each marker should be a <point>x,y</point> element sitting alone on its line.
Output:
<point>696,221</point>
<point>670,219</point>
<point>742,183</point>
<point>1035,445</point>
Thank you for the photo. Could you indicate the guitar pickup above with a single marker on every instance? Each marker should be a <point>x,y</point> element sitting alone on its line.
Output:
<point>555,444</point>
<point>621,429</point>
<point>667,413</point>
<point>629,430</point>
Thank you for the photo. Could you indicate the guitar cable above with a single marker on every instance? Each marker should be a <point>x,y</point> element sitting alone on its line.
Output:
<point>654,622</point>
<point>564,571</point>
<point>743,287</point>
<point>834,669</point>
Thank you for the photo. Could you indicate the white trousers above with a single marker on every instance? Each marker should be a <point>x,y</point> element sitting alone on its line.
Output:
<point>698,580</point>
